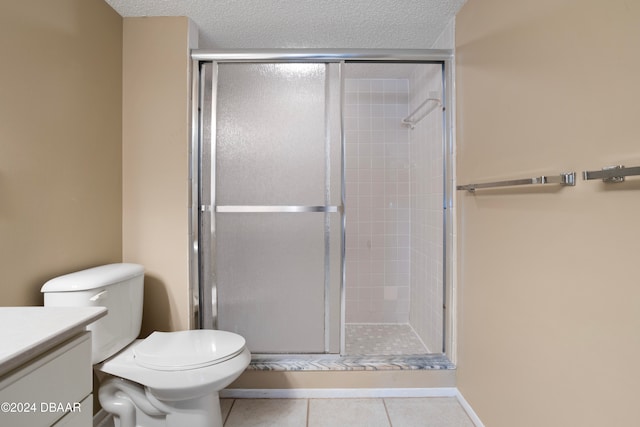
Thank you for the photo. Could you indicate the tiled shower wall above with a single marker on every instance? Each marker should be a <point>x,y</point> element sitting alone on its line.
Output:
<point>394,186</point>
<point>378,204</point>
<point>426,313</point>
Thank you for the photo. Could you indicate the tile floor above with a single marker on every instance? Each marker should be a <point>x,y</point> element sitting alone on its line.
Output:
<point>382,339</point>
<point>387,412</point>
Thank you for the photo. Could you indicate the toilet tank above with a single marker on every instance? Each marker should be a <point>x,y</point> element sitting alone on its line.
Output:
<point>118,287</point>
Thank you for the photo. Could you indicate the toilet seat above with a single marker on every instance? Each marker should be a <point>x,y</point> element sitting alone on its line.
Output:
<point>184,350</point>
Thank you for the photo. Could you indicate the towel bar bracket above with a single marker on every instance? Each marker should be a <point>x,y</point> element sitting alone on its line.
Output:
<point>611,174</point>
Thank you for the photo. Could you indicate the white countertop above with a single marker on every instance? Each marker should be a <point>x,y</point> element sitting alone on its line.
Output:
<point>26,332</point>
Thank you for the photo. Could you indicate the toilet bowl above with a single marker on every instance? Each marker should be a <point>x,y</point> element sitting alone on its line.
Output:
<point>167,379</point>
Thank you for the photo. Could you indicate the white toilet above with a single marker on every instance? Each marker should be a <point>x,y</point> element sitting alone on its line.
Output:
<point>169,379</point>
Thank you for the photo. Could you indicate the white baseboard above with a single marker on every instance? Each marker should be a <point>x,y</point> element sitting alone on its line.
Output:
<point>468,409</point>
<point>324,393</point>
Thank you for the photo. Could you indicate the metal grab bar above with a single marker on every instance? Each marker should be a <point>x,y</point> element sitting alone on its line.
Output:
<point>568,178</point>
<point>276,209</point>
<point>611,174</point>
<point>412,123</point>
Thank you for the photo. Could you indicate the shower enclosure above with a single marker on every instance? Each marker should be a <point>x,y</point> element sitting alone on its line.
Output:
<point>320,200</point>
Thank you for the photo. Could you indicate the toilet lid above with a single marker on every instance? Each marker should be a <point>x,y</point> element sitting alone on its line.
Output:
<point>171,351</point>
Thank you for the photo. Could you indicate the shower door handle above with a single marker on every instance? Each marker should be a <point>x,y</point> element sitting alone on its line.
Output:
<point>277,209</point>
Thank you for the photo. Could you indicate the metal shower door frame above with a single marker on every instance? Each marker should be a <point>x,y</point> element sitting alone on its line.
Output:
<point>202,286</point>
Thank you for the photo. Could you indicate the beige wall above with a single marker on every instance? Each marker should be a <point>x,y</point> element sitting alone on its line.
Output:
<point>549,277</point>
<point>60,134</point>
<point>156,88</point>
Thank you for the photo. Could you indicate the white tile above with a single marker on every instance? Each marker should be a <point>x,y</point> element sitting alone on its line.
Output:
<point>268,413</point>
<point>426,412</point>
<point>347,413</point>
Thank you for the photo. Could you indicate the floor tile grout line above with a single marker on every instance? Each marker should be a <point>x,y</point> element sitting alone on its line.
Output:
<point>386,410</point>
<point>233,402</point>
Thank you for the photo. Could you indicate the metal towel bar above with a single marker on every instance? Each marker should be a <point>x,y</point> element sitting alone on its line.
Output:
<point>611,174</point>
<point>568,178</point>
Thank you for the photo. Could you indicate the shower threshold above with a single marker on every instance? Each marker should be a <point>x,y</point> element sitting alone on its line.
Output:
<point>330,362</point>
<point>369,347</point>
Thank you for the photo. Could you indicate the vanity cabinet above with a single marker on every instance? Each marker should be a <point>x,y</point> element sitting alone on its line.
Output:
<point>46,376</point>
<point>54,388</point>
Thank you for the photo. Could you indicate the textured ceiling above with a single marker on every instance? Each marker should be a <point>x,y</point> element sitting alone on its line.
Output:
<point>391,24</point>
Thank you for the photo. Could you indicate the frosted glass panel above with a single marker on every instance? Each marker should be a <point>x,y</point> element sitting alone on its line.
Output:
<point>270,275</point>
<point>277,275</point>
<point>271,134</point>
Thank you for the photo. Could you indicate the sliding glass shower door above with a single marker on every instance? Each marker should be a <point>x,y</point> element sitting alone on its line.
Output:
<point>272,181</point>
